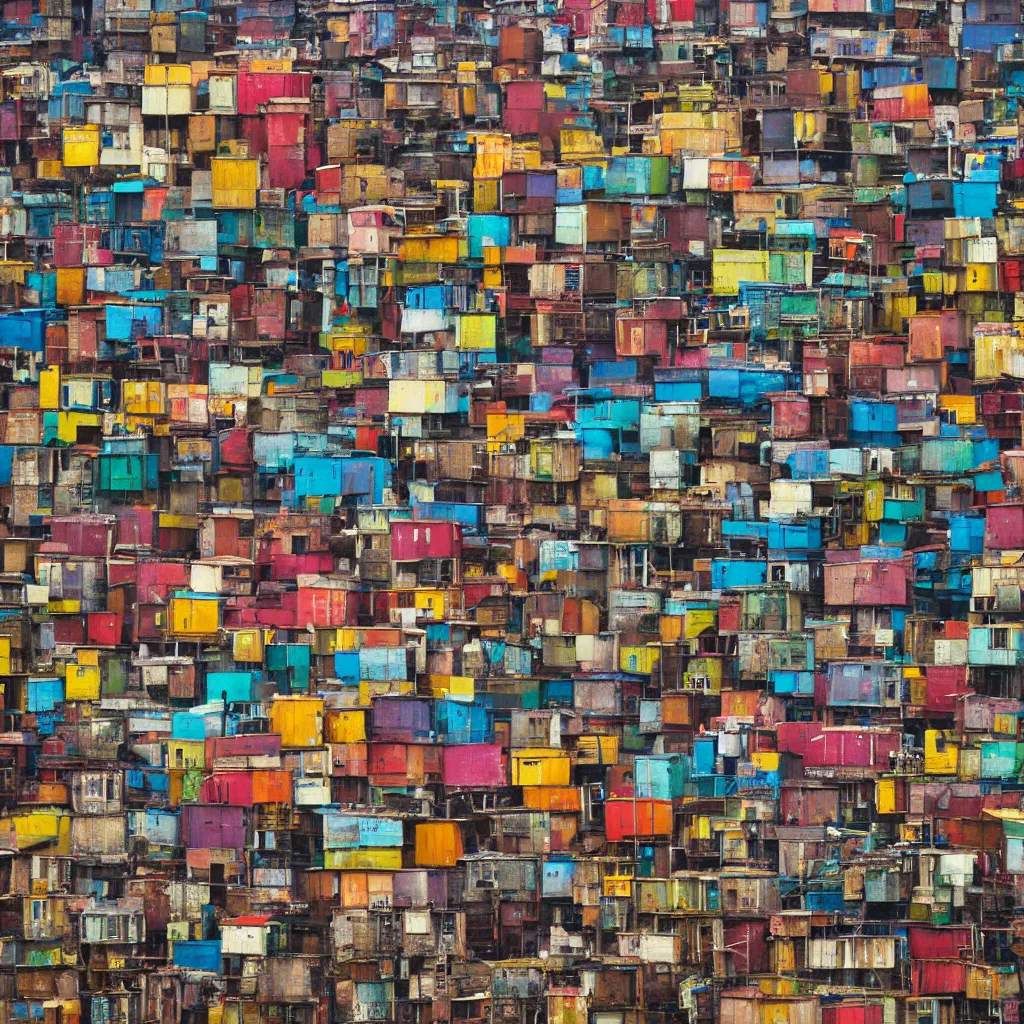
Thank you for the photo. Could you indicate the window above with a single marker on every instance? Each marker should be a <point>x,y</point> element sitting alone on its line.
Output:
<point>538,730</point>
<point>1000,639</point>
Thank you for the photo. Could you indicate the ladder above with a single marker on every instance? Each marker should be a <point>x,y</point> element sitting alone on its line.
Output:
<point>441,976</point>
